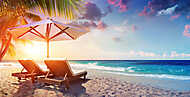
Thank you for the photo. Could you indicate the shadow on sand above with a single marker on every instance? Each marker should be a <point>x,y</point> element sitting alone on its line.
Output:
<point>27,88</point>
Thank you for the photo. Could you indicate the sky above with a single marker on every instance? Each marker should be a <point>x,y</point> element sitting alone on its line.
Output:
<point>124,30</point>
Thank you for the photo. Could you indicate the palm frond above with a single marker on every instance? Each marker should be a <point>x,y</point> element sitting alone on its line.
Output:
<point>11,50</point>
<point>69,9</point>
<point>32,16</point>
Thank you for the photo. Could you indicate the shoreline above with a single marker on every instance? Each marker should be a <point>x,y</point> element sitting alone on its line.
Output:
<point>98,84</point>
<point>161,83</point>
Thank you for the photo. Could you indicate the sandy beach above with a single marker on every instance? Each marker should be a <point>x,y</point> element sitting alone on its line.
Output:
<point>97,85</point>
<point>124,48</point>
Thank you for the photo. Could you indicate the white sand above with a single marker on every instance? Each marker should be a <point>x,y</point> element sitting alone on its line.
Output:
<point>98,85</point>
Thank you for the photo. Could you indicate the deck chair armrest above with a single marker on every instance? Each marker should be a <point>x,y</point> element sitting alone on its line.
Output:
<point>19,73</point>
<point>24,74</point>
<point>32,74</point>
<point>65,77</point>
<point>47,74</point>
<point>81,73</point>
<point>50,80</point>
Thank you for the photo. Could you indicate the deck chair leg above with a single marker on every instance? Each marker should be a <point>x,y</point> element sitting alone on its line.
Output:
<point>66,83</point>
<point>33,79</point>
<point>19,78</point>
<point>84,77</point>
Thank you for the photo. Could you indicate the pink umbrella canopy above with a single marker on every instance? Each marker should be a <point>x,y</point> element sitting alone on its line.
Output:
<point>48,30</point>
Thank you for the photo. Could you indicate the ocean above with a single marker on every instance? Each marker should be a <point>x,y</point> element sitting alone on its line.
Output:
<point>165,69</point>
<point>171,69</point>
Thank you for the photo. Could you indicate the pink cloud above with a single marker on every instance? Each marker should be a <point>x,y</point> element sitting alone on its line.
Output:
<point>186,31</point>
<point>185,55</point>
<point>146,54</point>
<point>175,54</point>
<point>112,1</point>
<point>175,16</point>
<point>122,7</point>
<point>144,12</point>
<point>147,11</point>
<point>93,25</point>
<point>164,55</point>
<point>121,3</point>
<point>188,17</point>
<point>101,25</point>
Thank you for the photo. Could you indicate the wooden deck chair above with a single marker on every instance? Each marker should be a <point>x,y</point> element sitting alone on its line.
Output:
<point>32,70</point>
<point>62,71</point>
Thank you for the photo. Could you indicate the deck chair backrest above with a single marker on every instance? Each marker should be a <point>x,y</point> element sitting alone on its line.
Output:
<point>30,66</point>
<point>59,67</point>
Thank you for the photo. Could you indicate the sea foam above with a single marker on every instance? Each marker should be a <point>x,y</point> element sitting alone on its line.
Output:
<point>155,76</point>
<point>95,66</point>
<point>128,71</point>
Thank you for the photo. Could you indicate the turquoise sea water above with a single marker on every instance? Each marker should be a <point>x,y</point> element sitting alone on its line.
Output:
<point>172,69</point>
<point>166,69</point>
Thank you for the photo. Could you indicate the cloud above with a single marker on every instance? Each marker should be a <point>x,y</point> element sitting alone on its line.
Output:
<point>175,16</point>
<point>117,39</point>
<point>93,13</point>
<point>155,6</point>
<point>172,54</point>
<point>175,54</point>
<point>112,1</point>
<point>186,31</point>
<point>122,4</point>
<point>101,25</point>
<point>188,17</point>
<point>93,25</point>
<point>119,29</point>
<point>125,27</point>
<point>166,7</point>
<point>146,54</point>
<point>110,10</point>
<point>122,30</point>
<point>167,11</point>
<point>164,55</point>
<point>185,55</point>
<point>144,12</point>
<point>133,53</point>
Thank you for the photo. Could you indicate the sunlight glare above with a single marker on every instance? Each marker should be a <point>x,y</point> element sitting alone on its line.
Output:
<point>35,50</point>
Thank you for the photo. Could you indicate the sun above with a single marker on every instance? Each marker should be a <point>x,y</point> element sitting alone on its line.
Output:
<point>35,50</point>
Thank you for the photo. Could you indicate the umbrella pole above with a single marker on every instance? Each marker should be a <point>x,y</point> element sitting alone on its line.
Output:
<point>47,48</point>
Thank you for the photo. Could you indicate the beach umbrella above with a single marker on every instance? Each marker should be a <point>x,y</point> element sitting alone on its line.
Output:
<point>48,30</point>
